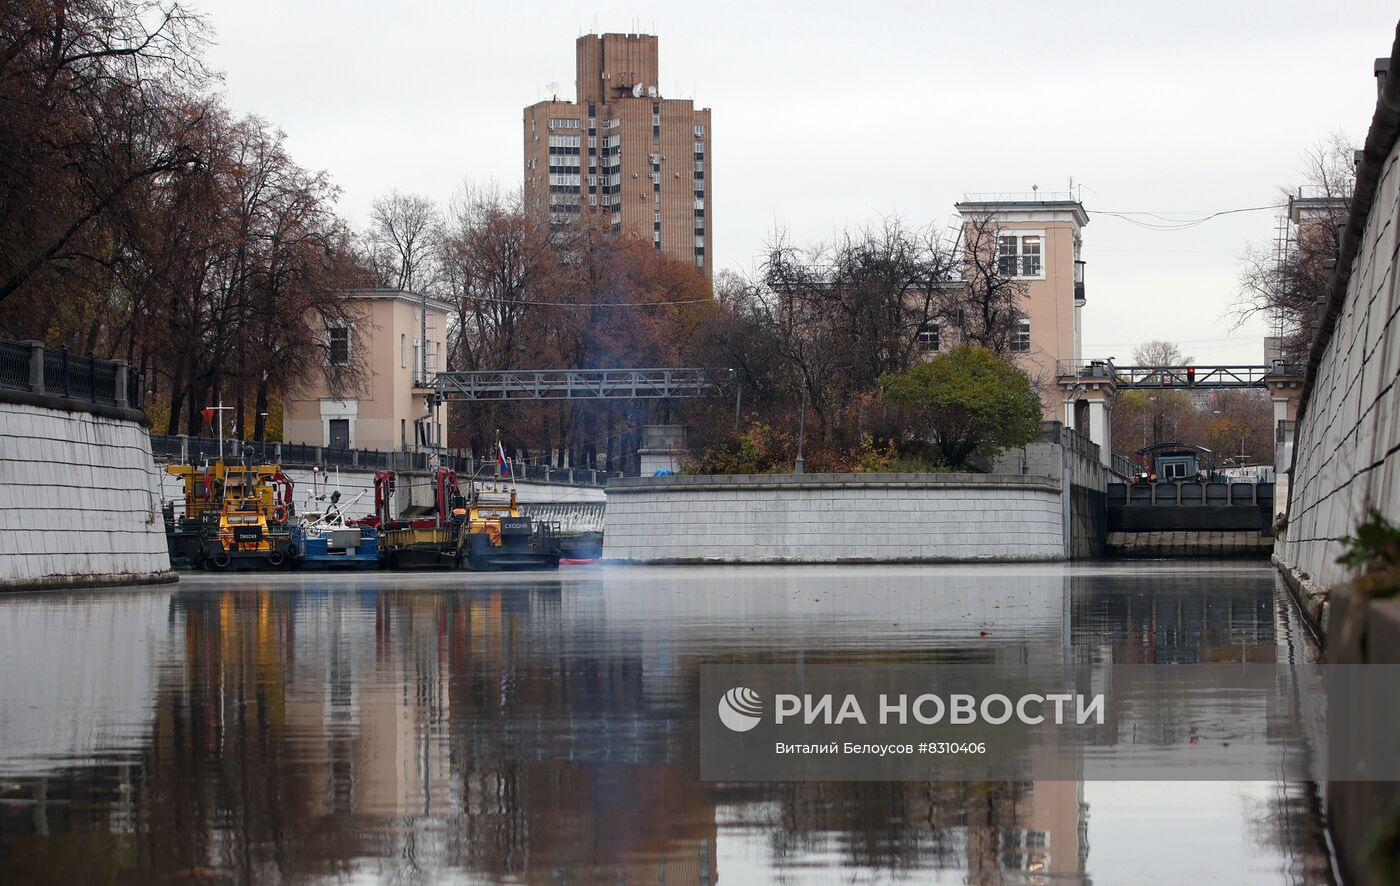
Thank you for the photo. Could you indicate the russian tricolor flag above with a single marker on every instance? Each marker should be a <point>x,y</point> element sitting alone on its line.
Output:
<point>501,463</point>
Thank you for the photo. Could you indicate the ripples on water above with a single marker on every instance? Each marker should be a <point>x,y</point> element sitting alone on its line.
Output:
<point>543,729</point>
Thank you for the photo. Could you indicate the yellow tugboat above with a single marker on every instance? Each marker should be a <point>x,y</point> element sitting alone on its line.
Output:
<point>236,516</point>
<point>496,535</point>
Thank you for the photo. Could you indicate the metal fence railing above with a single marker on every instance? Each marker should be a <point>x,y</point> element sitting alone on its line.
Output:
<point>29,366</point>
<point>1123,466</point>
<point>192,450</point>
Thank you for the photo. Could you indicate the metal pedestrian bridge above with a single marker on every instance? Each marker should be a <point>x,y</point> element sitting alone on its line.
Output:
<point>580,384</point>
<point>1192,377</point>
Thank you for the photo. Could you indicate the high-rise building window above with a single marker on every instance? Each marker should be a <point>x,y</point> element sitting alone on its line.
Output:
<point>562,123</point>
<point>1021,337</point>
<point>699,129</point>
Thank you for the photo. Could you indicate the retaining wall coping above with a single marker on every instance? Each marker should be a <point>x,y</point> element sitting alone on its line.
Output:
<point>800,482</point>
<point>66,404</point>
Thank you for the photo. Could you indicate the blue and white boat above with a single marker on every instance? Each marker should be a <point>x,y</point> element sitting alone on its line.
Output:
<point>322,540</point>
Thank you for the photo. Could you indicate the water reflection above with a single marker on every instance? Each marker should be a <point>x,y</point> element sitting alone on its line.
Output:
<point>544,729</point>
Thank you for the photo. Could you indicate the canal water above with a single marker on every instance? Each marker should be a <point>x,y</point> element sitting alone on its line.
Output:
<point>469,728</point>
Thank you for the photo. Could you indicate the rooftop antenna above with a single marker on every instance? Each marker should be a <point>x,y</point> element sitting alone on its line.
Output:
<point>1035,190</point>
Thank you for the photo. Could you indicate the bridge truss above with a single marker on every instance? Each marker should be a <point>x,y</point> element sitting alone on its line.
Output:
<point>527,385</point>
<point>1177,377</point>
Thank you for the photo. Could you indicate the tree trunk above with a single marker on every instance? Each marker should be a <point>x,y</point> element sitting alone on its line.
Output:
<point>177,396</point>
<point>260,420</point>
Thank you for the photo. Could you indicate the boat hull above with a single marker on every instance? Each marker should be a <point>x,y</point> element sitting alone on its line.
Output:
<point>312,552</point>
<point>534,551</point>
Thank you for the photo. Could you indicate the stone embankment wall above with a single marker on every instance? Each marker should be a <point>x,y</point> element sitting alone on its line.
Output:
<point>1346,455</point>
<point>832,518</point>
<point>1072,460</point>
<point>1346,460</point>
<point>79,495</point>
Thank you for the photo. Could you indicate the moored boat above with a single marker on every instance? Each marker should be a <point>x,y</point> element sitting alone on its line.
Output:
<point>327,540</point>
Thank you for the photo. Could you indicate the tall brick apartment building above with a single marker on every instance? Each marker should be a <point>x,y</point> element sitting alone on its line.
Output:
<point>624,151</point>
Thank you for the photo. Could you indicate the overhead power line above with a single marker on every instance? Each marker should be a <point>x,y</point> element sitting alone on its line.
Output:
<point>1166,223</point>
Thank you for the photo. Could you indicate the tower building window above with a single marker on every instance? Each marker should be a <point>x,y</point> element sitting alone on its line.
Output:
<point>1019,255</point>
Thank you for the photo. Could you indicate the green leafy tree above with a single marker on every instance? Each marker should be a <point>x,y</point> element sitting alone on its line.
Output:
<point>965,401</point>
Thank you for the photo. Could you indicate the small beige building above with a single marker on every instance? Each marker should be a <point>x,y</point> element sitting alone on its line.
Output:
<point>388,409</point>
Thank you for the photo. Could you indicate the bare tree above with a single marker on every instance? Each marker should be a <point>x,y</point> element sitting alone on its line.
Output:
<point>1287,281</point>
<point>1159,352</point>
<point>402,240</point>
<point>841,315</point>
<point>94,103</point>
<point>988,304</point>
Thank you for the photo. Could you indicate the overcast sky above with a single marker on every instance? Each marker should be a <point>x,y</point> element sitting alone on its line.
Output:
<point>829,115</point>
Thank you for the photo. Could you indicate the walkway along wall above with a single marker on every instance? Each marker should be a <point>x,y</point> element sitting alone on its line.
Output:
<point>1346,460</point>
<point>834,518</point>
<point>79,495</point>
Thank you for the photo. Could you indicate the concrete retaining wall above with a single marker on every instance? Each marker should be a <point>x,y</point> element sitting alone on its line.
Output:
<point>1346,460</point>
<point>79,497</point>
<point>1347,448</point>
<point>826,518</point>
<point>1070,459</point>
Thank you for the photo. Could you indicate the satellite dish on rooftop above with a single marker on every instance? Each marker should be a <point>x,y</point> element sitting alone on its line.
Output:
<point>639,90</point>
<point>552,89</point>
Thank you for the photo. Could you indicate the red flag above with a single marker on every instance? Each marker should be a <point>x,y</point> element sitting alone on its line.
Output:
<point>208,414</point>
